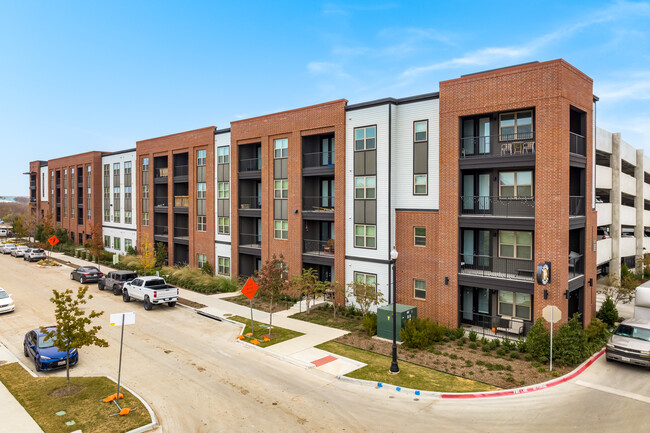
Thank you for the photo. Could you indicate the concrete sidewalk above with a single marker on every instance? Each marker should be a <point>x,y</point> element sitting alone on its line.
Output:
<point>14,417</point>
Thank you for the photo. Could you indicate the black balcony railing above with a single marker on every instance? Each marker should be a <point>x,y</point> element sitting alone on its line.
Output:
<point>180,170</point>
<point>250,240</point>
<point>181,232</point>
<point>576,265</point>
<point>498,206</point>
<point>318,203</point>
<point>318,159</point>
<point>161,172</point>
<point>160,201</point>
<point>318,247</point>
<point>576,205</point>
<point>497,267</point>
<point>250,202</point>
<point>497,326</point>
<point>161,230</point>
<point>250,164</point>
<point>498,145</point>
<point>577,144</point>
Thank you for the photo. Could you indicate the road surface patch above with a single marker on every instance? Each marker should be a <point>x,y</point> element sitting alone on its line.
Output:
<point>614,391</point>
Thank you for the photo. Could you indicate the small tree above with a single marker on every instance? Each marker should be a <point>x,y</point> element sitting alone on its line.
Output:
<point>570,342</point>
<point>335,288</point>
<point>19,229</point>
<point>538,341</point>
<point>307,284</point>
<point>272,280</point>
<point>71,331</point>
<point>161,254</point>
<point>608,312</point>
<point>365,295</point>
<point>619,290</point>
<point>96,243</point>
<point>207,268</point>
<point>48,226</point>
<point>148,255</point>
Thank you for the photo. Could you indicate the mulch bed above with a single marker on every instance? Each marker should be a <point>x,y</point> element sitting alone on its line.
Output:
<point>260,303</point>
<point>462,361</point>
<point>189,303</point>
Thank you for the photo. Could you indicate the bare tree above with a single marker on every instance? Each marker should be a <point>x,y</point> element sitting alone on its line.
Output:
<point>619,290</point>
<point>272,281</point>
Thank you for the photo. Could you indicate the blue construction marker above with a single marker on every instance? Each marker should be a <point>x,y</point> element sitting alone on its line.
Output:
<point>417,392</point>
<point>398,389</point>
<point>379,384</point>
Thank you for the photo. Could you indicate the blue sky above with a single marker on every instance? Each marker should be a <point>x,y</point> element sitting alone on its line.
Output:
<point>93,75</point>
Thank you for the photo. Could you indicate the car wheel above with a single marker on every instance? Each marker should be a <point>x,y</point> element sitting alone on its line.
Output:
<point>36,365</point>
<point>25,351</point>
<point>147,303</point>
<point>82,280</point>
<point>171,304</point>
<point>125,296</point>
<point>116,290</point>
<point>100,286</point>
<point>72,277</point>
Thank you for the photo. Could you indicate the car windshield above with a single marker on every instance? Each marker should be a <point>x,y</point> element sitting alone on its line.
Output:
<point>44,342</point>
<point>37,251</point>
<point>3,295</point>
<point>156,282</point>
<point>633,332</point>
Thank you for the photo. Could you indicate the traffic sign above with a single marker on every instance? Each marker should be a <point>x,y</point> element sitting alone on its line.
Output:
<point>53,240</point>
<point>250,288</point>
<point>552,314</point>
<point>120,319</point>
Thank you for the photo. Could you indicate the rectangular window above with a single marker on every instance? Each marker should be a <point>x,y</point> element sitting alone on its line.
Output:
<point>420,130</point>
<point>223,189</point>
<point>127,173</point>
<point>128,244</point>
<point>369,279</point>
<point>281,148</point>
<point>224,266</point>
<point>201,157</point>
<point>516,184</point>
<point>281,188</point>
<point>73,204</point>
<point>365,236</point>
<point>419,289</point>
<point>281,229</point>
<point>513,304</point>
<point>107,241</point>
<point>365,138</point>
<point>420,236</point>
<point>117,243</point>
<point>89,182</point>
<point>201,223</point>
<point>201,259</point>
<point>365,187</point>
<point>420,184</point>
<point>128,205</point>
<point>116,204</point>
<point>516,126</point>
<point>145,218</point>
<point>145,191</point>
<point>223,226</point>
<point>516,245</point>
<point>223,155</point>
<point>200,193</point>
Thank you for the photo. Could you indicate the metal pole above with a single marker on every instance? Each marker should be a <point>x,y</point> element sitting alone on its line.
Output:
<point>394,368</point>
<point>552,338</point>
<point>252,323</point>
<point>119,370</point>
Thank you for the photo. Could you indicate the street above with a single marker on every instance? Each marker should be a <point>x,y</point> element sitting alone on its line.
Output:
<point>198,379</point>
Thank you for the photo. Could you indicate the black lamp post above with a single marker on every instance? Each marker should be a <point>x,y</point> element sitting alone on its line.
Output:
<point>394,368</point>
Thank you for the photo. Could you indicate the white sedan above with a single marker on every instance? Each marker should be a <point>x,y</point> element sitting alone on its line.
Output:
<point>6,303</point>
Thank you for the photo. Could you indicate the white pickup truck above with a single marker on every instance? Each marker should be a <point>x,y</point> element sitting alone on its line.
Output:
<point>151,290</point>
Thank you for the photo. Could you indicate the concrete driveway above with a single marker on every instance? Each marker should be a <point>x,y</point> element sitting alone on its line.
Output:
<point>198,379</point>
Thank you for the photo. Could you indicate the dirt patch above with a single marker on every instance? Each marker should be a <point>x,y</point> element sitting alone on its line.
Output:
<point>66,391</point>
<point>189,303</point>
<point>488,367</point>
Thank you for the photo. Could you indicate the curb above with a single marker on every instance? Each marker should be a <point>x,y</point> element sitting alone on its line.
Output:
<point>455,396</point>
<point>154,421</point>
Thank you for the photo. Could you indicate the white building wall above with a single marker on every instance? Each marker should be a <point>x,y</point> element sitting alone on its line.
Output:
<point>44,183</point>
<point>603,177</point>
<point>220,140</point>
<point>381,270</point>
<point>604,251</point>
<point>221,250</point>
<point>628,184</point>
<point>119,228</point>
<point>604,215</point>
<point>603,140</point>
<point>628,153</point>
<point>122,235</point>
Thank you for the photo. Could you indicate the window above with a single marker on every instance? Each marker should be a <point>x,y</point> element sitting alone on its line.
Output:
<point>420,236</point>
<point>128,244</point>
<point>201,223</point>
<point>364,236</point>
<point>516,126</point>
<point>107,241</point>
<point>420,184</point>
<point>281,188</point>
<point>223,226</point>
<point>127,173</point>
<point>281,147</point>
<point>89,195</point>
<point>369,279</point>
<point>420,130</point>
<point>223,189</point>
<point>365,138</point>
<point>516,184</point>
<point>145,191</point>
<point>515,304</point>
<point>516,245</point>
<point>201,260</point>
<point>128,205</point>
<point>201,157</point>
<point>224,266</point>
<point>419,289</point>
<point>201,188</point>
<point>364,187</point>
<point>223,155</point>
<point>281,229</point>
<point>145,218</point>
<point>116,204</point>
<point>117,243</point>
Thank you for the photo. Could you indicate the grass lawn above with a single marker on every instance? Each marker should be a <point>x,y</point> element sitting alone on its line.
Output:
<point>410,375</point>
<point>325,317</point>
<point>278,335</point>
<point>84,407</point>
<point>261,303</point>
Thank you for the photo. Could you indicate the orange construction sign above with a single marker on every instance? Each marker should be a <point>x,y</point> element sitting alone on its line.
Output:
<point>53,240</point>
<point>250,288</point>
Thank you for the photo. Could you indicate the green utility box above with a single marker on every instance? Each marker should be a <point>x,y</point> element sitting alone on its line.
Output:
<point>385,315</point>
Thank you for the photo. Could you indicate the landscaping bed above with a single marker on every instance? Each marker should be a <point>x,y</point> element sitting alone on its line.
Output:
<point>346,319</point>
<point>261,303</point>
<point>277,334</point>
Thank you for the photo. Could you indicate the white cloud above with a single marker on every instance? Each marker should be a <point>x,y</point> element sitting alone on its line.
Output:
<point>636,86</point>
<point>327,68</point>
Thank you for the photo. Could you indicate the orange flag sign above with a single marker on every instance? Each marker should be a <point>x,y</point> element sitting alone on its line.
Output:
<point>250,288</point>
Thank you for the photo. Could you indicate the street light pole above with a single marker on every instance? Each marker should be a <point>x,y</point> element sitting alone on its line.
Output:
<point>394,368</point>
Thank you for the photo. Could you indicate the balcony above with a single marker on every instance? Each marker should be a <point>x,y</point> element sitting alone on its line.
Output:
<point>181,232</point>
<point>497,267</point>
<point>180,170</point>
<point>250,202</point>
<point>181,203</point>
<point>577,144</point>
<point>317,247</point>
<point>318,159</point>
<point>576,205</point>
<point>604,251</point>
<point>160,204</point>
<point>518,207</point>
<point>250,165</point>
<point>160,175</point>
<point>576,265</point>
<point>495,326</point>
<point>160,230</point>
<point>250,240</point>
<point>503,146</point>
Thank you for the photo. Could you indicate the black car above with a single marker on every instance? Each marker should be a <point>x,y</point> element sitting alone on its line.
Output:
<point>86,274</point>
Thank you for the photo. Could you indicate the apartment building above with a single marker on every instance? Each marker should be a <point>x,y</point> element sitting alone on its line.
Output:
<point>119,183</point>
<point>38,196</point>
<point>622,202</point>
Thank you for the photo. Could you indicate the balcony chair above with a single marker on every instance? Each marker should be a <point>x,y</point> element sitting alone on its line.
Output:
<point>574,258</point>
<point>329,248</point>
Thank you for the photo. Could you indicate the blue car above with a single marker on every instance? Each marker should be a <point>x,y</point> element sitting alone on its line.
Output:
<point>46,356</point>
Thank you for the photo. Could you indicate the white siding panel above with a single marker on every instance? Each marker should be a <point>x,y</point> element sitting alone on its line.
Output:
<point>379,269</point>
<point>220,140</point>
<point>121,158</point>
<point>122,235</point>
<point>604,251</point>
<point>221,250</point>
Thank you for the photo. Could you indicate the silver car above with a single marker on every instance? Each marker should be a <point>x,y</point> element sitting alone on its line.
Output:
<point>6,248</point>
<point>630,343</point>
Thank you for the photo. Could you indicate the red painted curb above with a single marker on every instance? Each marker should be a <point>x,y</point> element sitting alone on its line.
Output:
<point>545,385</point>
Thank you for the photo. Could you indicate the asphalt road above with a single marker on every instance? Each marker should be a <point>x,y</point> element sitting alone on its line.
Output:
<point>197,379</point>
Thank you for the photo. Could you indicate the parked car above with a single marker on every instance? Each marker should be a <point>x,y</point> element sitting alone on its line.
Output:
<point>19,251</point>
<point>602,234</point>
<point>7,304</point>
<point>630,343</point>
<point>86,274</point>
<point>6,248</point>
<point>115,280</point>
<point>151,290</point>
<point>34,255</point>
<point>46,357</point>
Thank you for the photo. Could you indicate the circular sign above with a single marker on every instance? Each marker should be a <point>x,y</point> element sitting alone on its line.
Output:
<point>543,273</point>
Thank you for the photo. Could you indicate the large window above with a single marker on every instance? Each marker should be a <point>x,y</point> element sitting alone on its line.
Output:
<point>117,243</point>
<point>107,241</point>
<point>515,245</point>
<point>89,201</point>
<point>365,187</point>
<point>116,204</point>
<point>281,148</point>
<point>365,236</point>
<point>281,188</point>
<point>145,191</point>
<point>223,189</point>
<point>516,126</point>
<point>223,155</point>
<point>201,223</point>
<point>201,259</point>
<point>419,289</point>
<point>281,229</point>
<point>420,130</point>
<point>128,244</point>
<point>368,279</point>
<point>224,266</point>
<point>201,157</point>
<point>515,304</point>
<point>420,236</point>
<point>223,226</point>
<point>516,184</point>
<point>201,211</point>
<point>365,138</point>
<point>420,184</point>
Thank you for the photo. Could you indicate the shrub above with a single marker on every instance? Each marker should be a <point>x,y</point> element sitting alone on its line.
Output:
<point>195,279</point>
<point>207,268</point>
<point>370,324</point>
<point>538,340</point>
<point>461,342</point>
<point>528,356</point>
<point>468,363</point>
<point>421,333</point>
<point>624,270</point>
<point>514,355</point>
<point>472,336</point>
<point>608,312</point>
<point>453,356</point>
<point>503,351</point>
<point>570,345</point>
<point>597,334</point>
<point>451,334</point>
<point>473,345</point>
<point>460,332</point>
